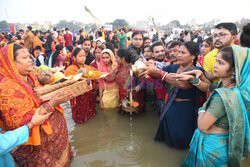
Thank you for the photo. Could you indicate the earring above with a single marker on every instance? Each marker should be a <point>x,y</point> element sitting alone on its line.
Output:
<point>233,77</point>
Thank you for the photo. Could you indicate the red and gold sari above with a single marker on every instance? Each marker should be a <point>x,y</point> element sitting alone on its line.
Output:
<point>48,144</point>
<point>121,79</point>
<point>83,106</point>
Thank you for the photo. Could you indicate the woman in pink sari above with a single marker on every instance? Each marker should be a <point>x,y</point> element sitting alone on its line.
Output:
<point>108,89</point>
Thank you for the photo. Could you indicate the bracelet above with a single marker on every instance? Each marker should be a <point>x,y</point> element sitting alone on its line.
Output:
<point>32,124</point>
<point>195,81</point>
<point>48,107</point>
<point>199,82</point>
<point>164,76</point>
<point>201,111</point>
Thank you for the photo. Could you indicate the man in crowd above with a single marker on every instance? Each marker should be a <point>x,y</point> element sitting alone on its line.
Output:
<point>68,38</point>
<point>173,52</point>
<point>28,39</point>
<point>224,36</point>
<point>159,56</point>
<point>136,46</point>
<point>146,41</point>
<point>86,46</point>
<point>123,38</point>
<point>37,42</point>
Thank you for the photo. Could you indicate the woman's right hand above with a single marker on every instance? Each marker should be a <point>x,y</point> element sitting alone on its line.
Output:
<point>38,119</point>
<point>60,98</point>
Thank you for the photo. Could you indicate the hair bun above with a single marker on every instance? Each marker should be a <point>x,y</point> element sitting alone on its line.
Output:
<point>246,28</point>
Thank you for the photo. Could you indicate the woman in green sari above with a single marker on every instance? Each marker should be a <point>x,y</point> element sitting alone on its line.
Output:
<point>223,134</point>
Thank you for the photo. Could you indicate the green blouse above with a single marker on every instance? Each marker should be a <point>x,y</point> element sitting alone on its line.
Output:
<point>217,109</point>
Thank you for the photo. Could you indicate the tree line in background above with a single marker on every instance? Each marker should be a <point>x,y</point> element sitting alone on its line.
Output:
<point>118,23</point>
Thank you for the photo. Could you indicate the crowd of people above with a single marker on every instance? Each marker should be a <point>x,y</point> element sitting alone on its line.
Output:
<point>198,83</point>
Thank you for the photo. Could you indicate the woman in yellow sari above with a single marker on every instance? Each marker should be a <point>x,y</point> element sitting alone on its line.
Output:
<point>48,144</point>
<point>108,90</point>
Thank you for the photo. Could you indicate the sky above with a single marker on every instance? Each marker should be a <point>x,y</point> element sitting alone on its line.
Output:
<point>163,11</point>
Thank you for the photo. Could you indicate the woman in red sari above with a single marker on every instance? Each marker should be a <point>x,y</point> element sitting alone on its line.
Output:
<point>123,59</point>
<point>48,144</point>
<point>83,106</point>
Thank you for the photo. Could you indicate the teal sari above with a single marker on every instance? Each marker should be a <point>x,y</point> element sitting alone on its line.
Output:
<point>233,147</point>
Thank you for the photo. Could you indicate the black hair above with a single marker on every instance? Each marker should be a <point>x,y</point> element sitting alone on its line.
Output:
<point>193,49</point>
<point>245,36</point>
<point>209,41</point>
<point>156,44</point>
<point>15,49</point>
<point>36,32</point>
<point>137,33</point>
<point>29,28</point>
<point>76,51</point>
<point>168,43</point>
<point>49,41</point>
<point>19,37</point>
<point>38,48</point>
<point>174,43</point>
<point>147,46</point>
<point>231,27</point>
<point>199,40</point>
<point>54,29</point>
<point>75,43</point>
<point>99,47</point>
<point>124,30</point>
<point>110,46</point>
<point>145,38</point>
<point>91,37</point>
<point>66,29</point>
<point>228,56</point>
<point>86,39</point>
<point>59,48</point>
<point>21,30</point>
<point>69,48</point>
<point>99,33</point>
<point>124,53</point>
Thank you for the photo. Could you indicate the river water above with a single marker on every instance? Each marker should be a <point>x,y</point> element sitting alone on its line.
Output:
<point>105,141</point>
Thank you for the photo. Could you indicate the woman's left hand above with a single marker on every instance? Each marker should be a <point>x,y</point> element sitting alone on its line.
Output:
<point>183,77</point>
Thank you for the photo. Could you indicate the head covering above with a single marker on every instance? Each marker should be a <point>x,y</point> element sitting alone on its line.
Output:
<point>18,101</point>
<point>103,68</point>
<point>236,102</point>
<point>101,40</point>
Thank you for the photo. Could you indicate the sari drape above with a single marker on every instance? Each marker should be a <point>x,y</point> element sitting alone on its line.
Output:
<point>83,106</point>
<point>236,103</point>
<point>18,103</point>
<point>110,96</point>
<point>178,119</point>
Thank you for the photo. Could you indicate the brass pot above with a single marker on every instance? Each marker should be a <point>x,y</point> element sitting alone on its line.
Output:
<point>136,68</point>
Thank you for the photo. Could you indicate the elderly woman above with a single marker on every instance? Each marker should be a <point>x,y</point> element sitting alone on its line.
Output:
<point>48,144</point>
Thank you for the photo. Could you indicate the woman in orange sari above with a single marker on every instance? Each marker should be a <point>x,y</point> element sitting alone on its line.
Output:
<point>83,106</point>
<point>48,144</point>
